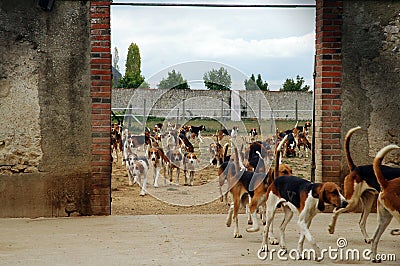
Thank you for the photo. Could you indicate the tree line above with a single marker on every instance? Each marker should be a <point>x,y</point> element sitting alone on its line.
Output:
<point>215,79</point>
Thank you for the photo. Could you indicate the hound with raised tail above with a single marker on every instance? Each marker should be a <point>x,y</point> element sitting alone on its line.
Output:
<point>295,194</point>
<point>242,183</point>
<point>388,200</point>
<point>360,186</point>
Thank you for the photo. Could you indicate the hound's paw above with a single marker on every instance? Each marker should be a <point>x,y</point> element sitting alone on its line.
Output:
<point>228,222</point>
<point>249,222</point>
<point>155,185</point>
<point>331,229</point>
<point>395,232</point>
<point>284,250</point>
<point>375,260</point>
<point>237,235</point>
<point>264,248</point>
<point>142,193</point>
<point>273,241</point>
<point>368,240</point>
<point>252,229</point>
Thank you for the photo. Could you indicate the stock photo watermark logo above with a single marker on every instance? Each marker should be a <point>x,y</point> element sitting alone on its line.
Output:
<point>341,252</point>
<point>175,108</point>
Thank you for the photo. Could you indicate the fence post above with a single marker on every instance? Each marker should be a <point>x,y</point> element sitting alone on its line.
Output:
<point>183,110</point>
<point>259,110</point>
<point>177,116</point>
<point>296,114</point>
<point>129,115</point>
<point>144,115</point>
<point>222,109</point>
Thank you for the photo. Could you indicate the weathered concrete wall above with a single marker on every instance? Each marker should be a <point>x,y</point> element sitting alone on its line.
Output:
<point>45,130</point>
<point>205,103</point>
<point>371,77</point>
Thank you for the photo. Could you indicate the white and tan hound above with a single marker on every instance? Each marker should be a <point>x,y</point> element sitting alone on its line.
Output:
<point>388,200</point>
<point>295,194</point>
<point>175,162</point>
<point>190,162</point>
<point>360,186</point>
<point>157,160</point>
<point>138,170</point>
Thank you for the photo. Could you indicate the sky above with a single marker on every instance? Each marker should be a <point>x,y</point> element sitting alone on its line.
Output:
<point>277,43</point>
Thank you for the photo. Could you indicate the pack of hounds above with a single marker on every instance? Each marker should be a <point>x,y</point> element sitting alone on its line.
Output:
<point>262,189</point>
<point>178,153</point>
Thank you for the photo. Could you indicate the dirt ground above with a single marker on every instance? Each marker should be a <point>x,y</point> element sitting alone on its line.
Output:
<point>202,198</point>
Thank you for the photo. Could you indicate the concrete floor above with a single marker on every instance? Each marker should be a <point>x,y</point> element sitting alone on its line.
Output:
<point>170,240</point>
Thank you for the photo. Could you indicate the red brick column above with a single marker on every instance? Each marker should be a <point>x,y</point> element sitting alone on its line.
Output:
<point>328,90</point>
<point>100,64</point>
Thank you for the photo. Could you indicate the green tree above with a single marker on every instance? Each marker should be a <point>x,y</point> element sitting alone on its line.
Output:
<point>132,77</point>
<point>217,79</point>
<point>291,85</point>
<point>253,84</point>
<point>173,81</point>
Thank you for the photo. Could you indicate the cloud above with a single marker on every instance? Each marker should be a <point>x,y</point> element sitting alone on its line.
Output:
<point>278,43</point>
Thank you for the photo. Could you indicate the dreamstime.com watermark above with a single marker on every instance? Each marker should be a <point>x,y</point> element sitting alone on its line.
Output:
<point>339,253</point>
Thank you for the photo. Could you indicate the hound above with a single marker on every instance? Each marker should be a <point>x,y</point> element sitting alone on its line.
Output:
<point>302,129</point>
<point>157,160</point>
<point>291,146</point>
<point>298,195</point>
<point>175,159</point>
<point>302,141</point>
<point>158,127</point>
<point>388,200</point>
<point>233,133</point>
<point>184,142</point>
<point>253,134</point>
<point>138,170</point>
<point>116,140</point>
<point>171,138</point>
<point>130,160</point>
<point>190,161</point>
<point>255,157</point>
<point>240,185</point>
<point>216,153</point>
<point>196,132</point>
<point>360,186</point>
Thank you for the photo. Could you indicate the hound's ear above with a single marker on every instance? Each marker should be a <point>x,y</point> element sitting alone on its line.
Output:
<point>321,203</point>
<point>160,153</point>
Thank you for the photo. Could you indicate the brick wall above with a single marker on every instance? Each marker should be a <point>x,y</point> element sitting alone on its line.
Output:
<point>328,89</point>
<point>101,107</point>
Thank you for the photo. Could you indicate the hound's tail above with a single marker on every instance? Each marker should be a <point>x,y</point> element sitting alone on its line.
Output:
<point>349,160</point>
<point>226,146</point>
<point>377,164</point>
<point>278,156</point>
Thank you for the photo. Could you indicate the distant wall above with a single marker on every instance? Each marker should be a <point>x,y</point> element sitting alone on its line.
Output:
<point>205,103</point>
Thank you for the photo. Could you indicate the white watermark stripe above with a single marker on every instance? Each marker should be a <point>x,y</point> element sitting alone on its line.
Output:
<point>339,253</point>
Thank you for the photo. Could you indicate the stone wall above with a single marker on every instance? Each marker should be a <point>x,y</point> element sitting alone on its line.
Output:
<point>215,104</point>
<point>46,105</point>
<point>371,77</point>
